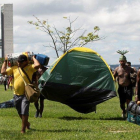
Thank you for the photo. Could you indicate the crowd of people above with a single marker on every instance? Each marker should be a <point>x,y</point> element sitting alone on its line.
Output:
<point>127,77</point>
<point>7,81</point>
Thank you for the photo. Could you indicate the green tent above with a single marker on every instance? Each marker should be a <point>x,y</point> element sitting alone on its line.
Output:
<point>80,79</point>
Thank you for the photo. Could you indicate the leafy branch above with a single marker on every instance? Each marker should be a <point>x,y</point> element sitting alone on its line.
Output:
<point>64,40</point>
<point>122,52</point>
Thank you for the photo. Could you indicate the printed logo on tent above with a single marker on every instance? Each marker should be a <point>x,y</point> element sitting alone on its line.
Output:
<point>58,76</point>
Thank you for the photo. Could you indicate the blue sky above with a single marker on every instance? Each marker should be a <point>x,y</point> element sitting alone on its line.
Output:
<point>119,22</point>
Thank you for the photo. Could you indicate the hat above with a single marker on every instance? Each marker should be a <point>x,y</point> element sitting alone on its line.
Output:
<point>122,57</point>
<point>22,58</point>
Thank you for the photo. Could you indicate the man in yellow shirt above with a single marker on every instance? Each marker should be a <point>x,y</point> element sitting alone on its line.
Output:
<point>21,102</point>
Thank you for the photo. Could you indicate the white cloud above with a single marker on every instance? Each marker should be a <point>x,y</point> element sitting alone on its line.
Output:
<point>118,20</point>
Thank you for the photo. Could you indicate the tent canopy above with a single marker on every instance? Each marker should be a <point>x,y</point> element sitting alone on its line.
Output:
<point>80,79</point>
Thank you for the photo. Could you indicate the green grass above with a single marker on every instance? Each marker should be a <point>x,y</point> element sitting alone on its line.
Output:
<point>60,122</point>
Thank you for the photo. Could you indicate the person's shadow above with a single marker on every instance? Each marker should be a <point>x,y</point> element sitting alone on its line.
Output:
<point>69,118</point>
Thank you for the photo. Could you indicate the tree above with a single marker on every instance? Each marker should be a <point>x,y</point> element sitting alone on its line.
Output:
<point>64,40</point>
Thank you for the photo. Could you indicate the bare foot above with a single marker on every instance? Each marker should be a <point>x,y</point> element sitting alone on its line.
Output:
<point>22,132</point>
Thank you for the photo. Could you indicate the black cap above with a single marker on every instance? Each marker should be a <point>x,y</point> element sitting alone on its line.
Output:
<point>22,58</point>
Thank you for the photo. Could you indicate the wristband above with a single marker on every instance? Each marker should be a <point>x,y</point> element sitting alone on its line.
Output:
<point>136,95</point>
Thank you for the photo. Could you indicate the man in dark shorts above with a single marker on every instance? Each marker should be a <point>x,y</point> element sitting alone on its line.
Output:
<point>36,76</point>
<point>122,73</point>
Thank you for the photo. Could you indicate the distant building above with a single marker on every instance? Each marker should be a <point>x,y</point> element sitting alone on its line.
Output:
<point>7,29</point>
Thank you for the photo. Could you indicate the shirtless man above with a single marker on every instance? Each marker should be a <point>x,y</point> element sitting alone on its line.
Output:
<point>125,88</point>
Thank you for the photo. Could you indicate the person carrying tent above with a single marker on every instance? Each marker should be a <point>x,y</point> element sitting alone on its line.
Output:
<point>39,104</point>
<point>122,73</point>
<point>21,102</point>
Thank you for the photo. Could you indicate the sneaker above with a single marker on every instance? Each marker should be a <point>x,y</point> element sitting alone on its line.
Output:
<point>36,114</point>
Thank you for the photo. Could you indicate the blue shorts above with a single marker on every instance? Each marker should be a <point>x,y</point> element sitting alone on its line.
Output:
<point>21,104</point>
<point>125,93</point>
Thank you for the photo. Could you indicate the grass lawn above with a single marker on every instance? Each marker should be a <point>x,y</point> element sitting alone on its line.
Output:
<point>60,122</point>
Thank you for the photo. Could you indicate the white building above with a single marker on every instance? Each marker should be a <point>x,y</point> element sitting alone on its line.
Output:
<point>7,29</point>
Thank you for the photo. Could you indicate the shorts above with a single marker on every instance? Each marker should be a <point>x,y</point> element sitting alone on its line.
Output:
<point>21,104</point>
<point>125,93</point>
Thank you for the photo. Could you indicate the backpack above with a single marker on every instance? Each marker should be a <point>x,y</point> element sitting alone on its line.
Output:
<point>133,78</point>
